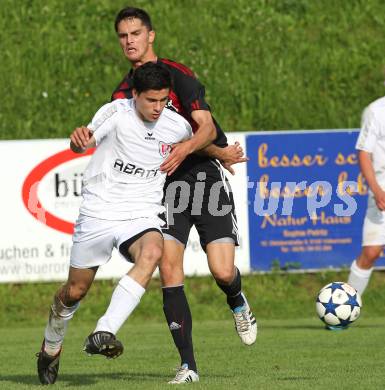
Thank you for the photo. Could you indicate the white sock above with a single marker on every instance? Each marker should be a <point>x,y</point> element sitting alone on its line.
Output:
<point>124,300</point>
<point>358,277</point>
<point>55,330</point>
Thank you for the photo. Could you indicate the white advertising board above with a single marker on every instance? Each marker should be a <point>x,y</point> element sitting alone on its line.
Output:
<point>41,185</point>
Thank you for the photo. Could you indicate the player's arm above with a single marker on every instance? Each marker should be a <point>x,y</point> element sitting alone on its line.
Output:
<point>206,131</point>
<point>203,136</point>
<point>191,94</point>
<point>366,165</point>
<point>366,144</point>
<point>82,139</point>
<point>208,135</point>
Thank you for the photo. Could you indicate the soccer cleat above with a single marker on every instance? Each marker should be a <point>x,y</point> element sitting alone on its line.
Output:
<point>47,366</point>
<point>103,343</point>
<point>184,375</point>
<point>245,323</point>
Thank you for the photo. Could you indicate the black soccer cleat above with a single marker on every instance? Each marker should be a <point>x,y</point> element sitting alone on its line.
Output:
<point>103,343</point>
<point>47,367</point>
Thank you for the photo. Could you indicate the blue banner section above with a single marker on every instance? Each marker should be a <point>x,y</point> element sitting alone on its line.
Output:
<point>307,200</point>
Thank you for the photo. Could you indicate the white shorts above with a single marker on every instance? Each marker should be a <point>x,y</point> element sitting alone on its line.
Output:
<point>94,239</point>
<point>373,233</point>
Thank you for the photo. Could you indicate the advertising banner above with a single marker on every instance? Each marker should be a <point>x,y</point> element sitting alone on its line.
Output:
<point>307,200</point>
<point>40,203</point>
<point>41,195</point>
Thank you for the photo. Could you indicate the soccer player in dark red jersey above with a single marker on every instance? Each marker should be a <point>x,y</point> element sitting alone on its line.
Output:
<point>202,179</point>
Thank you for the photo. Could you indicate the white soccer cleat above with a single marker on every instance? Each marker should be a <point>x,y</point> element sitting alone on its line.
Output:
<point>245,323</point>
<point>184,375</point>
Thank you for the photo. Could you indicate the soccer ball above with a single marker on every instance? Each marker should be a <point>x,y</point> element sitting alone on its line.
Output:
<point>338,304</point>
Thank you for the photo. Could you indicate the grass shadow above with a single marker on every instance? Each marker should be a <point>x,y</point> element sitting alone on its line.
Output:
<point>88,379</point>
<point>294,326</point>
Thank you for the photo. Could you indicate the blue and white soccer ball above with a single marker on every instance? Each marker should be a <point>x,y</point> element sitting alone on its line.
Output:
<point>338,304</point>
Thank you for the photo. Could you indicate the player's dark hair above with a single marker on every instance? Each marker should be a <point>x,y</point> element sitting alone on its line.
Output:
<point>151,75</point>
<point>132,12</point>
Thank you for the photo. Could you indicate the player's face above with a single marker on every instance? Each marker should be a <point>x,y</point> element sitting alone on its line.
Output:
<point>150,104</point>
<point>136,40</point>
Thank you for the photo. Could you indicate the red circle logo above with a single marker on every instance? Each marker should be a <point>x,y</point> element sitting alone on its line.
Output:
<point>31,184</point>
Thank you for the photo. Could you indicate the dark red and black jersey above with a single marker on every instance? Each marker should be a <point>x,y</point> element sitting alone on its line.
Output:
<point>187,94</point>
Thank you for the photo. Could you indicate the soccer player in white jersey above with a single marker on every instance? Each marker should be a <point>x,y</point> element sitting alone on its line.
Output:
<point>122,198</point>
<point>371,155</point>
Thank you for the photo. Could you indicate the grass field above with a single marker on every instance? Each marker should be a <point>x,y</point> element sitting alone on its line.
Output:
<point>293,351</point>
<point>289,354</point>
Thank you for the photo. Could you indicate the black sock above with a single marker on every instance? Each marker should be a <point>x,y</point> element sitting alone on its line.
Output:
<point>178,316</point>
<point>233,291</point>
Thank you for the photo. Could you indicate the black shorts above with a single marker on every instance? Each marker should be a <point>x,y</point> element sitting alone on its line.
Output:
<point>200,196</point>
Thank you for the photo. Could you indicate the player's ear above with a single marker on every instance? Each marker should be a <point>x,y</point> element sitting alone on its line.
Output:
<point>134,93</point>
<point>151,36</point>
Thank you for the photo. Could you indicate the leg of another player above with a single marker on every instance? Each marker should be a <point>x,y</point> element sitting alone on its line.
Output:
<point>220,256</point>
<point>65,303</point>
<point>176,307</point>
<point>361,269</point>
<point>146,252</point>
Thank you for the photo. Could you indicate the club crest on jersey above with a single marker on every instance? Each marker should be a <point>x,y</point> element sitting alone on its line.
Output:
<point>164,149</point>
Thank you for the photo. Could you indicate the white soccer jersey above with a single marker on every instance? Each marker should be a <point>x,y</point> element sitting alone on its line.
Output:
<point>372,137</point>
<point>122,180</point>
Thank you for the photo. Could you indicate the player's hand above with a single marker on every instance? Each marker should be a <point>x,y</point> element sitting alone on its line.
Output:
<point>379,197</point>
<point>178,153</point>
<point>232,154</point>
<point>80,137</point>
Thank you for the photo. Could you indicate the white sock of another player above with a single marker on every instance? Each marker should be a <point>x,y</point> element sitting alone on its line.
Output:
<point>55,330</point>
<point>124,300</point>
<point>358,277</point>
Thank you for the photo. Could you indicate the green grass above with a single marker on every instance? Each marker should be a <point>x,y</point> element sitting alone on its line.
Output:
<point>279,64</point>
<point>293,351</point>
<point>273,296</point>
<point>289,354</point>
<point>268,294</point>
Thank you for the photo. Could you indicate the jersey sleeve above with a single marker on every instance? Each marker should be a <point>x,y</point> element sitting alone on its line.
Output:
<point>190,92</point>
<point>369,131</point>
<point>192,97</point>
<point>103,121</point>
